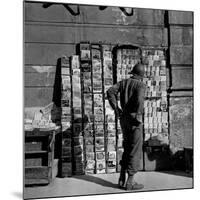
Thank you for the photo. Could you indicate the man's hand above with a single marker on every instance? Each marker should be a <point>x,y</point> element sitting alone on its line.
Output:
<point>118,112</point>
<point>139,118</point>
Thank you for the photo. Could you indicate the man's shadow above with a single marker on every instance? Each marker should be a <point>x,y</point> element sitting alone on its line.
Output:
<point>97,180</point>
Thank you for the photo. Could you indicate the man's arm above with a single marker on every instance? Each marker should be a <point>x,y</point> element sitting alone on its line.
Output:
<point>140,102</point>
<point>112,97</point>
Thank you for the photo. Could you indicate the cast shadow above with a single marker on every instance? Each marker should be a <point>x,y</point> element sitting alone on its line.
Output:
<point>179,173</point>
<point>56,109</point>
<point>162,159</point>
<point>57,88</point>
<point>97,180</point>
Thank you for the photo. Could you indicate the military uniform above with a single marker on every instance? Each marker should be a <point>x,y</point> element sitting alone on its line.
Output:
<point>132,100</point>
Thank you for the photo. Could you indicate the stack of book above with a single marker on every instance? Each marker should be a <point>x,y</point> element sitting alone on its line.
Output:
<point>87,103</point>
<point>78,155</point>
<point>110,125</point>
<point>155,105</point>
<point>66,118</point>
<point>98,106</point>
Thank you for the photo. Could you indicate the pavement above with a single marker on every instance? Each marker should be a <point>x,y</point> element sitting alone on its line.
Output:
<point>107,184</point>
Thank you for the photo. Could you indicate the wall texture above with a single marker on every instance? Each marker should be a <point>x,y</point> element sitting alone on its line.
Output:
<point>181,73</point>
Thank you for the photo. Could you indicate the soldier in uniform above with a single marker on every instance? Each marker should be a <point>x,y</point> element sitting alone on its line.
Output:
<point>131,92</point>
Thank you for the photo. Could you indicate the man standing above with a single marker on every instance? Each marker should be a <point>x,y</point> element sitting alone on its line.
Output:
<point>131,92</point>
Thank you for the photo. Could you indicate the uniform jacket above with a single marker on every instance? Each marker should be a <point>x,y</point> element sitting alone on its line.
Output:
<point>131,93</point>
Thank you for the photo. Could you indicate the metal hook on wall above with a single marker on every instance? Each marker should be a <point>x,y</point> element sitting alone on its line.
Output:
<point>72,12</point>
<point>124,10</point>
<point>102,7</point>
<point>77,12</point>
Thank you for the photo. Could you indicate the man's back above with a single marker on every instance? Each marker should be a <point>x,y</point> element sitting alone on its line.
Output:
<point>132,95</point>
<point>131,92</point>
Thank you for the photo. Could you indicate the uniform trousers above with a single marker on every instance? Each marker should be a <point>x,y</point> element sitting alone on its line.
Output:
<point>132,144</point>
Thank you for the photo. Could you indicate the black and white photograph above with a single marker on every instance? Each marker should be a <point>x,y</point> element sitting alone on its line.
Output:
<point>108,99</point>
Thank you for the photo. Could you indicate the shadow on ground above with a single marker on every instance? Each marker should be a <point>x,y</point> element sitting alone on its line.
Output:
<point>178,173</point>
<point>97,180</point>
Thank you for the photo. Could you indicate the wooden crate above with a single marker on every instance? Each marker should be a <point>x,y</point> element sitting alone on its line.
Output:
<point>39,157</point>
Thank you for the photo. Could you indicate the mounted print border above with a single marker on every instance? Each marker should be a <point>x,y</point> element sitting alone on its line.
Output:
<point>73,54</point>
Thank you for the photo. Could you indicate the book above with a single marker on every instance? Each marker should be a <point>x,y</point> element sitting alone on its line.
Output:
<point>89,155</point>
<point>66,83</point>
<point>85,54</point>
<point>66,142</point>
<point>89,148</point>
<point>78,140</point>
<point>99,118</point>
<point>101,171</point>
<point>78,150</point>
<point>100,164</point>
<point>89,140</point>
<point>77,128</point>
<point>100,155</point>
<point>90,164</point>
<point>66,151</point>
<point>75,62</point>
<point>65,71</point>
<point>64,61</point>
<point>111,155</point>
<point>111,163</point>
<point>96,54</point>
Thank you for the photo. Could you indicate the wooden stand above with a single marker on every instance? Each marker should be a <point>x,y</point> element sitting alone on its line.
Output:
<point>39,156</point>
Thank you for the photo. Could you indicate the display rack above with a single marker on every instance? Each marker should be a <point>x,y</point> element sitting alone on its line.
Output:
<point>96,135</point>
<point>156,104</point>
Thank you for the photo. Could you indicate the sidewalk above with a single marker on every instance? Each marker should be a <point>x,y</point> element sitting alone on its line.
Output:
<point>107,183</point>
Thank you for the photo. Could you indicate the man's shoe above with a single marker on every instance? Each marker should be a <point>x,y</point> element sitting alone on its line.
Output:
<point>134,186</point>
